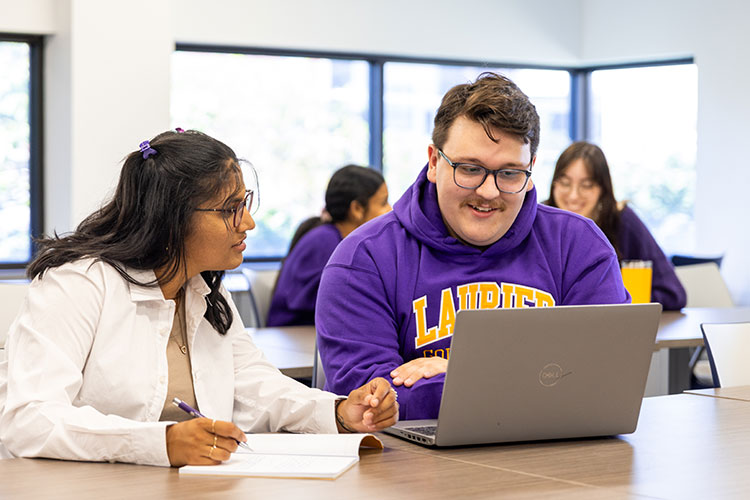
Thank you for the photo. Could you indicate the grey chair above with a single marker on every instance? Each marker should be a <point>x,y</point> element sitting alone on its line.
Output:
<point>12,295</point>
<point>318,375</point>
<point>252,292</point>
<point>705,287</point>
<point>728,346</point>
<point>689,260</point>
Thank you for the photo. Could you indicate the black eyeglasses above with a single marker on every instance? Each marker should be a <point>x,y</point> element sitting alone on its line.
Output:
<point>238,211</point>
<point>470,176</point>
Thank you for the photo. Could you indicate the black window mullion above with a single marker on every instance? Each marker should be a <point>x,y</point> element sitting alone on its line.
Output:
<point>36,154</point>
<point>376,114</point>
<point>36,192</point>
<point>579,104</point>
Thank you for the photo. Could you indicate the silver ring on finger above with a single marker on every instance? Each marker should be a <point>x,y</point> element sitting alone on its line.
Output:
<point>213,426</point>
<point>211,451</point>
<point>214,440</point>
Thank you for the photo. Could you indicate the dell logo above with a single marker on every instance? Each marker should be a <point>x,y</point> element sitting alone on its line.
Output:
<point>551,374</point>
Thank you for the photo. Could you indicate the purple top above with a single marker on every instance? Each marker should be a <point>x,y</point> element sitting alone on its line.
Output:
<point>293,301</point>
<point>391,289</point>
<point>636,243</point>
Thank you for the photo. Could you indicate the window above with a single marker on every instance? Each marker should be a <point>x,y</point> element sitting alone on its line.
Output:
<point>297,119</point>
<point>300,116</point>
<point>412,93</point>
<point>19,191</point>
<point>645,120</point>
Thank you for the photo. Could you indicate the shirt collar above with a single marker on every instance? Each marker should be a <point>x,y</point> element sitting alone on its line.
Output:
<point>140,293</point>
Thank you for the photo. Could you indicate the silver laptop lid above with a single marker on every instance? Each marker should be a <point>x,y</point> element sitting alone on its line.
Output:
<point>546,373</point>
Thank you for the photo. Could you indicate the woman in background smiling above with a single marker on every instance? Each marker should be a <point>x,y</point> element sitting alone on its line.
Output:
<point>582,184</point>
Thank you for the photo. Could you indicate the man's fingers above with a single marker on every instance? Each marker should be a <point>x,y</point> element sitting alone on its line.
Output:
<point>381,389</point>
<point>389,405</point>
<point>380,420</point>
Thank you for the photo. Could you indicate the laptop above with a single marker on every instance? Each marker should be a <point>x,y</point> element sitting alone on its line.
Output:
<point>542,373</point>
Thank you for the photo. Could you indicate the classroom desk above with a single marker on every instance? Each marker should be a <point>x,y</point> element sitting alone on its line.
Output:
<point>740,393</point>
<point>686,446</point>
<point>679,331</point>
<point>290,348</point>
<point>390,474</point>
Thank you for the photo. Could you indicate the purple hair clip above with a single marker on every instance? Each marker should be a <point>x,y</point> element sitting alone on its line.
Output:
<point>147,150</point>
<point>179,130</point>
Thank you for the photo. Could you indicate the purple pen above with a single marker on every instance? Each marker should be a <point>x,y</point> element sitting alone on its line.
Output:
<point>195,413</point>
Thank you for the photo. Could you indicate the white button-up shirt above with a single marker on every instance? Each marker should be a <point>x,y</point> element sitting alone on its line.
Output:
<point>86,370</point>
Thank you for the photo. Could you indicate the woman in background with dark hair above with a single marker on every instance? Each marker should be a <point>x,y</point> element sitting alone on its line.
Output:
<point>128,312</point>
<point>354,196</point>
<point>582,184</point>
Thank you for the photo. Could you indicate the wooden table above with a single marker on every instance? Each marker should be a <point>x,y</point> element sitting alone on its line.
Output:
<point>686,446</point>
<point>390,474</point>
<point>290,348</point>
<point>680,331</point>
<point>740,393</point>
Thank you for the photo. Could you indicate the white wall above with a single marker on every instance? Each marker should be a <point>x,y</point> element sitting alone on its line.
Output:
<point>540,31</point>
<point>106,89</point>
<point>107,81</point>
<point>32,17</point>
<point>716,34</point>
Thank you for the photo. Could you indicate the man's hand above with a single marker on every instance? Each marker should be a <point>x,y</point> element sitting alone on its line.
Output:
<point>202,441</point>
<point>370,408</point>
<point>408,373</point>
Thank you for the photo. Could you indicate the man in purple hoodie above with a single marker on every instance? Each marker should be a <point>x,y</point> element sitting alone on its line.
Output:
<point>468,234</point>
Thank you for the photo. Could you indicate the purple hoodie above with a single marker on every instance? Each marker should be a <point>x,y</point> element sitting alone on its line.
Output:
<point>390,291</point>
<point>293,301</point>
<point>637,243</point>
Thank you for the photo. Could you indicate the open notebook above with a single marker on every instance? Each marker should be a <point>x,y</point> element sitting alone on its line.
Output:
<point>321,456</point>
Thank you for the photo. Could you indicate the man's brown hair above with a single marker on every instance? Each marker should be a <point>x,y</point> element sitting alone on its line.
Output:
<point>496,103</point>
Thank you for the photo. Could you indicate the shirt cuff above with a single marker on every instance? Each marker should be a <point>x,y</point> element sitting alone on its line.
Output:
<point>149,445</point>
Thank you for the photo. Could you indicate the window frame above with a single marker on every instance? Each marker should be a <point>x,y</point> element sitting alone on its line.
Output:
<point>376,63</point>
<point>579,124</point>
<point>580,109</point>
<point>36,138</point>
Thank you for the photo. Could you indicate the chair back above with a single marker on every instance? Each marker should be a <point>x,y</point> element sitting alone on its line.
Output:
<point>12,295</point>
<point>318,375</point>
<point>704,285</point>
<point>260,284</point>
<point>251,292</point>
<point>689,260</point>
<point>728,346</point>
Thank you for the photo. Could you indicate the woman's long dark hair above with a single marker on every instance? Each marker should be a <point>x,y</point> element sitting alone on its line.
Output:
<point>607,215</point>
<point>349,183</point>
<point>145,224</point>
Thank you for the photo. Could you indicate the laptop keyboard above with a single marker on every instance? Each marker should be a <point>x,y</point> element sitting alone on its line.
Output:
<point>427,430</point>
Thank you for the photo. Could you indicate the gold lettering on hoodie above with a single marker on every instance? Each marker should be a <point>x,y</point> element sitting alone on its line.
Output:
<point>478,295</point>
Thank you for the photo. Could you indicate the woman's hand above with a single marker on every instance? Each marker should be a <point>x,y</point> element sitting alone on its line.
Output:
<point>202,441</point>
<point>370,408</point>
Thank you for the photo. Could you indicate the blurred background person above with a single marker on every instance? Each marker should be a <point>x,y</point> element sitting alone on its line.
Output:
<point>581,183</point>
<point>354,196</point>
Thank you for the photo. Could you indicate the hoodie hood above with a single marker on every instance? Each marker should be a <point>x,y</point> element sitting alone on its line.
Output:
<point>418,211</point>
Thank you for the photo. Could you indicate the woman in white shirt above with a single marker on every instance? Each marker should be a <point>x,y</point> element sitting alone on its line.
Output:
<point>128,312</point>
